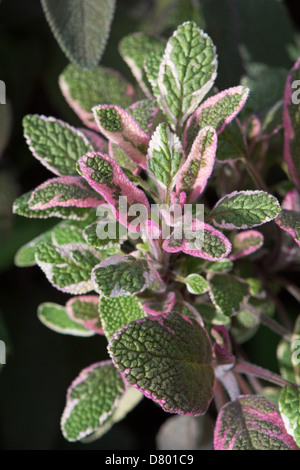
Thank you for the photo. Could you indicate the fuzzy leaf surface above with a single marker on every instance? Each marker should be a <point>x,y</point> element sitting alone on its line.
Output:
<point>289,407</point>
<point>228,293</point>
<point>55,317</point>
<point>81,28</point>
<point>84,311</point>
<point>245,209</point>
<point>187,71</point>
<point>251,423</point>
<point>167,357</point>
<point>246,243</point>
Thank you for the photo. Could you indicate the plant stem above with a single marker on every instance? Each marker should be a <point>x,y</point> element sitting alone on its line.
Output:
<point>257,371</point>
<point>254,175</point>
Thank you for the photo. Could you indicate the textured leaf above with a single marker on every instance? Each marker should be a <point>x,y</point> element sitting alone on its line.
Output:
<point>118,125</point>
<point>211,315</point>
<point>68,267</point>
<point>223,265</point>
<point>246,243</point>
<point>151,65</point>
<point>196,170</point>
<point>81,28</point>
<point>291,117</point>
<point>160,304</point>
<point>289,407</point>
<point>134,49</point>
<point>91,237</point>
<point>165,156</point>
<point>84,89</point>
<point>168,357</point>
<point>92,399</point>
<point>84,311</point>
<point>55,317</point>
<point>217,111</point>
<point>196,284</point>
<point>245,209</point>
<point>251,423</point>
<point>203,241</point>
<point>121,275</point>
<point>144,112</point>
<point>117,312</point>
<point>228,293</point>
<point>21,207</point>
<point>187,71</point>
<point>231,144</point>
<point>290,222</point>
<point>64,191</point>
<point>55,143</point>
<point>65,232</point>
<point>105,176</point>
<point>25,255</point>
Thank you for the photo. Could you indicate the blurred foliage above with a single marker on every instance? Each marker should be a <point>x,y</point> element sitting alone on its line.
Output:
<point>257,42</point>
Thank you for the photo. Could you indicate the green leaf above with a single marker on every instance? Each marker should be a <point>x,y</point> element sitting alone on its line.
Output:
<point>135,49</point>
<point>196,284</point>
<point>169,358</point>
<point>165,156</point>
<point>290,222</point>
<point>21,207</point>
<point>64,233</point>
<point>68,267</point>
<point>228,293</point>
<point>212,315</point>
<point>55,143</point>
<point>55,317</point>
<point>81,27</point>
<point>25,255</point>
<point>84,311</point>
<point>231,145</point>
<point>121,275</point>
<point>245,209</point>
<point>187,71</point>
<point>111,243</point>
<point>84,89</point>
<point>289,407</point>
<point>93,402</point>
<point>117,312</point>
<point>251,423</point>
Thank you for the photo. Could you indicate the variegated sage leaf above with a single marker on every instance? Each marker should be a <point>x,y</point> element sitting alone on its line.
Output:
<point>119,311</point>
<point>165,156</point>
<point>187,71</point>
<point>21,207</point>
<point>289,407</point>
<point>93,402</point>
<point>134,49</point>
<point>81,28</point>
<point>68,267</point>
<point>84,89</point>
<point>84,311</point>
<point>121,275</point>
<point>246,243</point>
<point>169,358</point>
<point>64,191</point>
<point>196,170</point>
<point>56,144</point>
<point>289,221</point>
<point>217,111</point>
<point>251,423</point>
<point>228,293</point>
<point>55,317</point>
<point>245,209</point>
<point>196,284</point>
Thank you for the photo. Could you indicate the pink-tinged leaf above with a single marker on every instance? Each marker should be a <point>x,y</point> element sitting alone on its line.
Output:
<point>159,305</point>
<point>168,357</point>
<point>121,275</point>
<point>290,222</point>
<point>118,125</point>
<point>217,111</point>
<point>291,201</point>
<point>251,423</point>
<point>222,346</point>
<point>85,311</point>
<point>246,243</point>
<point>106,177</point>
<point>64,191</point>
<point>195,172</point>
<point>291,124</point>
<point>84,89</point>
<point>144,112</point>
<point>200,240</point>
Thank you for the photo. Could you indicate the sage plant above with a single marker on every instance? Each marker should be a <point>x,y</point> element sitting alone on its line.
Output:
<point>155,253</point>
